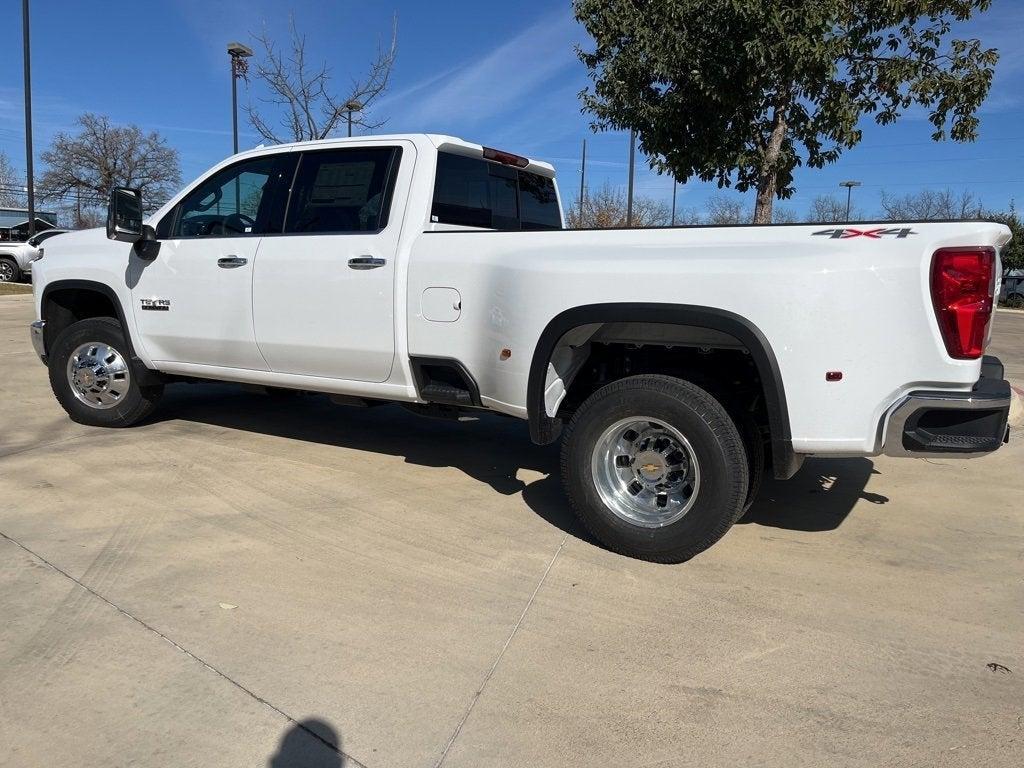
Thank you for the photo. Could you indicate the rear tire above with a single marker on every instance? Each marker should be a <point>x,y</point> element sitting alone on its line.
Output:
<point>91,376</point>
<point>655,468</point>
<point>9,270</point>
<point>753,441</point>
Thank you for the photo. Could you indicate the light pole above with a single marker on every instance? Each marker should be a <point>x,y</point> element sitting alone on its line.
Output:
<point>675,185</point>
<point>629,188</point>
<point>352,105</point>
<point>849,191</point>
<point>239,67</point>
<point>583,180</point>
<point>30,188</point>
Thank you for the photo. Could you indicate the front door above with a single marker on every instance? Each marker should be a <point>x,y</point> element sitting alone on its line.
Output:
<point>193,301</point>
<point>324,290</point>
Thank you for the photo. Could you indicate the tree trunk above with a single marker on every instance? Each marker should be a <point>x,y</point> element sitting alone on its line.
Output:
<point>767,184</point>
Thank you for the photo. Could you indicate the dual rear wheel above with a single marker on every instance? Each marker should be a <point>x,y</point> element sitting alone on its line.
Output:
<point>656,468</point>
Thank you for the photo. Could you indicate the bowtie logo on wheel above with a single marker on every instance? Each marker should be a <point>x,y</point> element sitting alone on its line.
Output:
<point>877,233</point>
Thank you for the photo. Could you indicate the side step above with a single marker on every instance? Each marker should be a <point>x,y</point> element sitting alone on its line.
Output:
<point>446,394</point>
<point>444,381</point>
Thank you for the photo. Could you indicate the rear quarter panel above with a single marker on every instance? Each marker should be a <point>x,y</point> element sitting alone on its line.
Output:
<point>858,305</point>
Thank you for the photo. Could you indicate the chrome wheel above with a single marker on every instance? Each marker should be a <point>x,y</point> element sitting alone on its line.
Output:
<point>6,272</point>
<point>99,375</point>
<point>645,471</point>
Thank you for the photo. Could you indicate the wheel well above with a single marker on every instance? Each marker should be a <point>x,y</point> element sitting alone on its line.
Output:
<point>587,347</point>
<point>716,362</point>
<point>64,306</point>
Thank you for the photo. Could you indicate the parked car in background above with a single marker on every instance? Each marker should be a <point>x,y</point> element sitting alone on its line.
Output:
<point>16,258</point>
<point>1012,292</point>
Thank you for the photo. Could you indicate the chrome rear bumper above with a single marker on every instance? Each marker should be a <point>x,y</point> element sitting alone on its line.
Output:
<point>944,424</point>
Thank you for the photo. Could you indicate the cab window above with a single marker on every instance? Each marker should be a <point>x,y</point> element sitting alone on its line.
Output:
<point>473,192</point>
<point>342,190</point>
<point>247,198</point>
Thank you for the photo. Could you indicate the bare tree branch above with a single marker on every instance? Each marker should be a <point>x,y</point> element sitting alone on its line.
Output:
<point>103,156</point>
<point>302,95</point>
<point>605,207</point>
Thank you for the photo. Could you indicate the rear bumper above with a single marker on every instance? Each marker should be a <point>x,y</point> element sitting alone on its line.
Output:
<point>964,424</point>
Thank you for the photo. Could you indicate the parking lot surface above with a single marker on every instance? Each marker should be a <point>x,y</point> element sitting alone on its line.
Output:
<point>248,580</point>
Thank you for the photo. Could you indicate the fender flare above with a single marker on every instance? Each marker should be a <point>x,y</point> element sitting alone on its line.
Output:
<point>544,429</point>
<point>145,373</point>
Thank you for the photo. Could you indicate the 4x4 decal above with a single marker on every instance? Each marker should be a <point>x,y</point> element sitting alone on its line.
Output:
<point>845,233</point>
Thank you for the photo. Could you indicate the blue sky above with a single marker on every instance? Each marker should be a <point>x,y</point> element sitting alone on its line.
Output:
<point>501,74</point>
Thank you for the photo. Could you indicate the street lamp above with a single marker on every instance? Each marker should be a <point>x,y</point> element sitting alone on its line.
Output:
<point>30,188</point>
<point>239,67</point>
<point>849,191</point>
<point>352,105</point>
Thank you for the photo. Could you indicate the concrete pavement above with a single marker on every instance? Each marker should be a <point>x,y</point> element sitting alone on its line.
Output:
<point>254,581</point>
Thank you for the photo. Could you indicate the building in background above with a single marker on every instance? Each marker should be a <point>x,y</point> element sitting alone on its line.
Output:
<point>14,223</point>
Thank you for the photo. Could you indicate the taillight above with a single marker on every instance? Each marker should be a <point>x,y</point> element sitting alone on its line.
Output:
<point>962,297</point>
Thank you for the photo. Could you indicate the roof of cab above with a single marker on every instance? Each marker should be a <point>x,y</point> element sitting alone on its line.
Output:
<point>439,141</point>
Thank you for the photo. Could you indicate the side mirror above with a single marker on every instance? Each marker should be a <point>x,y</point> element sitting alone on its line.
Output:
<point>124,215</point>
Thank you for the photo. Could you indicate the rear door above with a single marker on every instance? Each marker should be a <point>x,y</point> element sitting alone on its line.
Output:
<point>324,290</point>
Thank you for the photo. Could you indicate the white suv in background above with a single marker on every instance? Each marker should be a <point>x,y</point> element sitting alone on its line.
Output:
<point>16,258</point>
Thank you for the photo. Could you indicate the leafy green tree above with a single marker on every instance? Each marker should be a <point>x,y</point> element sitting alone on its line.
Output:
<point>743,91</point>
<point>1012,256</point>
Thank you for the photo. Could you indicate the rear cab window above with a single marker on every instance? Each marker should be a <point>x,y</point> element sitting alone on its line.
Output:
<point>479,193</point>
<point>343,190</point>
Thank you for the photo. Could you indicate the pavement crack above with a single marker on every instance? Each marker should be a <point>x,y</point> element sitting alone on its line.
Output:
<point>26,449</point>
<point>501,653</point>
<point>349,760</point>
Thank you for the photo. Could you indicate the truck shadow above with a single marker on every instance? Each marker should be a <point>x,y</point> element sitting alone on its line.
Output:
<point>495,450</point>
<point>818,498</point>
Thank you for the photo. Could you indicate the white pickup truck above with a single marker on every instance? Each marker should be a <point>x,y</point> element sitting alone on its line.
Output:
<point>678,364</point>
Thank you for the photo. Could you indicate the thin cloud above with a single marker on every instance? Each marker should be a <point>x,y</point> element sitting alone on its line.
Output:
<point>500,81</point>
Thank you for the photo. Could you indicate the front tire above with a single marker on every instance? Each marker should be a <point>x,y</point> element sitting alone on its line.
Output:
<point>655,468</point>
<point>92,378</point>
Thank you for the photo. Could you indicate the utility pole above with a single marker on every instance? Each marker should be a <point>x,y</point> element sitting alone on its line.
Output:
<point>30,188</point>
<point>583,179</point>
<point>675,184</point>
<point>629,192</point>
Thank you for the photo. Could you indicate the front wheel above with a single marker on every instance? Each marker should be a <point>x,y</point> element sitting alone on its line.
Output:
<point>91,375</point>
<point>655,468</point>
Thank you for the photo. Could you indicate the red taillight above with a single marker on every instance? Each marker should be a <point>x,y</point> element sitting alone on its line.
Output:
<point>962,296</point>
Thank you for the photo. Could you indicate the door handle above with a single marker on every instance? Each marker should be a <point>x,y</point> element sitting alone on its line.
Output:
<point>366,262</point>
<point>230,262</point>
